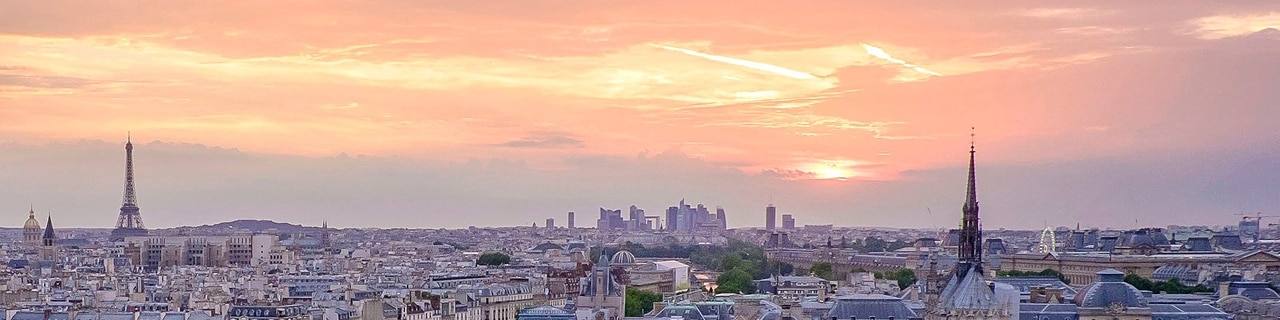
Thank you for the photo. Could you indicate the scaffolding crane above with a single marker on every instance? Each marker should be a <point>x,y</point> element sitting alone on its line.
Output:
<point>1251,225</point>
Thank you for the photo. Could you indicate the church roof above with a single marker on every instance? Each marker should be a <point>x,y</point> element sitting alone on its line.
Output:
<point>968,290</point>
<point>607,285</point>
<point>48,229</point>
<point>32,222</point>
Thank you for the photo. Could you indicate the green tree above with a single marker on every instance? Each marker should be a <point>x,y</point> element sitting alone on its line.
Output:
<point>1171,286</point>
<point>735,281</point>
<point>730,262</point>
<point>905,277</point>
<point>822,270</point>
<point>1042,273</point>
<point>779,268</point>
<point>493,259</point>
<point>1139,282</point>
<point>1055,273</point>
<point>640,302</point>
<point>874,244</point>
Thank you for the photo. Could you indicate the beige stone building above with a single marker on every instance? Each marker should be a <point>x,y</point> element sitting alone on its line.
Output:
<point>1081,267</point>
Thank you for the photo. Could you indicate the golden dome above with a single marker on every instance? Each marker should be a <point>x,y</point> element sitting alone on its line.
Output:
<point>32,223</point>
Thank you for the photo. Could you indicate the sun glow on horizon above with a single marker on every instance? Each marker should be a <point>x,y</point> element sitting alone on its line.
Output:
<point>832,170</point>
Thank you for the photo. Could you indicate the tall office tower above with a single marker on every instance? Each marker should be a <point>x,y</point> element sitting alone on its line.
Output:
<point>570,219</point>
<point>701,215</point>
<point>610,219</point>
<point>788,222</point>
<point>130,222</point>
<point>551,223</point>
<point>720,217</point>
<point>673,218</point>
<point>683,217</point>
<point>635,219</point>
<point>770,217</point>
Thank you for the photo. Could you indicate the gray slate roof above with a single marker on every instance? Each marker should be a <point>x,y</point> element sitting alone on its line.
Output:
<point>1110,288</point>
<point>865,306</point>
<point>970,292</point>
<point>1187,312</point>
<point>1253,290</point>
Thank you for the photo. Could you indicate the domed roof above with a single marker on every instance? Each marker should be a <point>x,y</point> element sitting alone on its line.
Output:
<point>32,223</point>
<point>623,257</point>
<point>1108,290</point>
<point>1253,290</point>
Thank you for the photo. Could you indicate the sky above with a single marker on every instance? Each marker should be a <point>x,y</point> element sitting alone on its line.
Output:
<point>457,113</point>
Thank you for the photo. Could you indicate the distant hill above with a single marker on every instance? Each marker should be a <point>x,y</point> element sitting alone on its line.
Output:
<point>258,226</point>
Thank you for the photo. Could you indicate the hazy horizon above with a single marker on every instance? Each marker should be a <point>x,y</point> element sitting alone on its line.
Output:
<point>452,114</point>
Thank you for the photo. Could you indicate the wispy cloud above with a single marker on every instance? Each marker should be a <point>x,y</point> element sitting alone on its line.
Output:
<point>880,53</point>
<point>351,105</point>
<point>1064,13</point>
<point>1093,30</point>
<point>1226,26</point>
<point>743,63</point>
<point>545,139</point>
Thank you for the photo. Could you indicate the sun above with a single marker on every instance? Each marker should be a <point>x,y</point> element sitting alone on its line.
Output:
<point>831,171</point>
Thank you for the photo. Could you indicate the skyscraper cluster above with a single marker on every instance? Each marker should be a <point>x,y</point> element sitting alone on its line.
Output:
<point>684,217</point>
<point>612,219</point>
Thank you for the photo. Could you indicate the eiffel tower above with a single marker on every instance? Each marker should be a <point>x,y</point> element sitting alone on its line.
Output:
<point>130,222</point>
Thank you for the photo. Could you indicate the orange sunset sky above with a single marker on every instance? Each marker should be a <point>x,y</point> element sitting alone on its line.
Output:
<point>457,113</point>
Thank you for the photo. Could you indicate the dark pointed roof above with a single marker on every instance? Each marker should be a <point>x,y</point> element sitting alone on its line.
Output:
<point>970,244</point>
<point>48,229</point>
<point>971,193</point>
